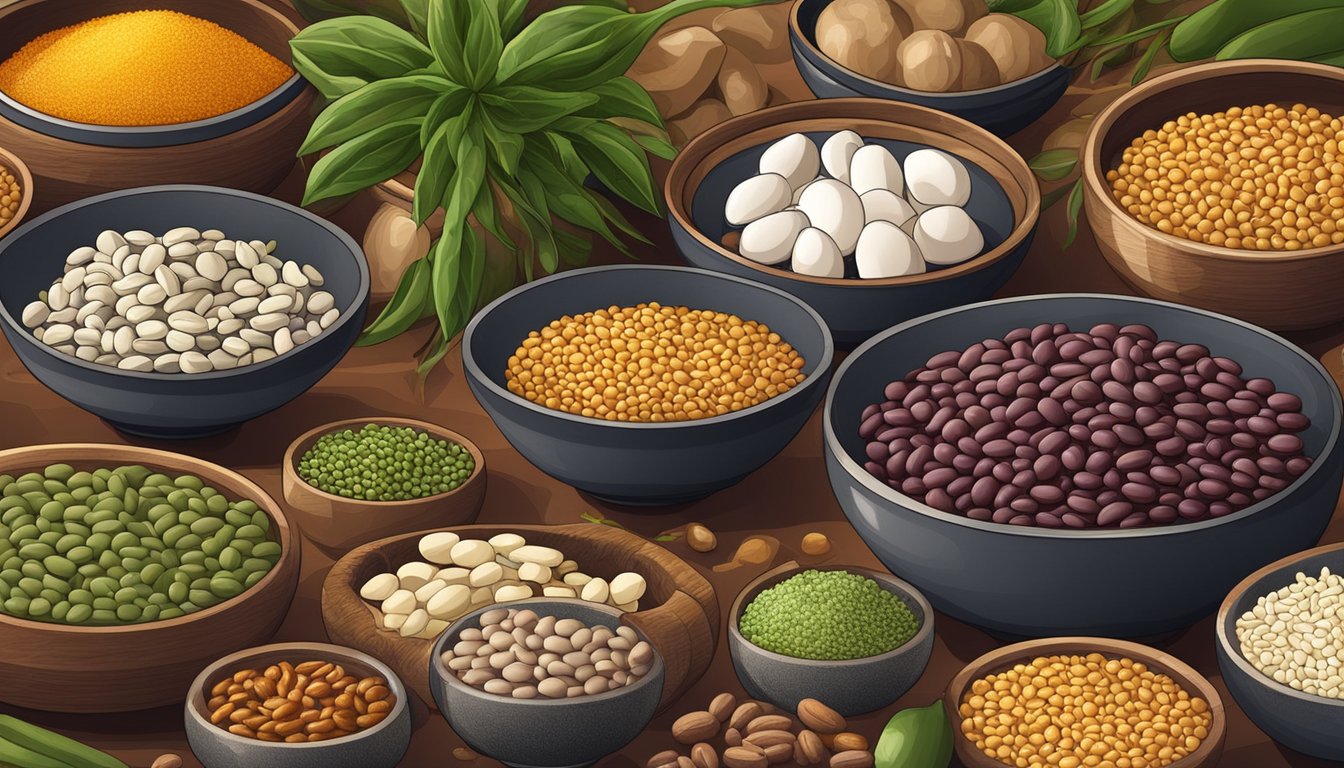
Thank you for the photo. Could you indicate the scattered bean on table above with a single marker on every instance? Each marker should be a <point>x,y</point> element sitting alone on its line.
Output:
<point>755,734</point>
<point>828,615</point>
<point>380,462</point>
<point>314,700</point>
<point>1295,635</point>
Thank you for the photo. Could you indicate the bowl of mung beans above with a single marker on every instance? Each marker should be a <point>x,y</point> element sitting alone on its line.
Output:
<point>1280,644</point>
<point>648,385</point>
<point>1221,186</point>
<point>1084,701</point>
<point>356,480</point>
<point>125,570</point>
<point>16,191</point>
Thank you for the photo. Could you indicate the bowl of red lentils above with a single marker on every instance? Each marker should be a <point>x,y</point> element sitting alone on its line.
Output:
<point>1221,186</point>
<point>16,185</point>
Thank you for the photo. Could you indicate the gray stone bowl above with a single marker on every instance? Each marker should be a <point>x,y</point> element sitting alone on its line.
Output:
<point>1039,582</point>
<point>1003,109</point>
<point>1301,721</point>
<point>381,746</point>
<point>644,463</point>
<point>545,733</point>
<point>181,405</point>
<point>849,687</point>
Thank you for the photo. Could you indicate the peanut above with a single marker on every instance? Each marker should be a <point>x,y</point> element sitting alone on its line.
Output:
<point>722,706</point>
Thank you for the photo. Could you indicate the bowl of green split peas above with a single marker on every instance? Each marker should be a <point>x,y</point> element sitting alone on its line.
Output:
<point>124,570</point>
<point>353,481</point>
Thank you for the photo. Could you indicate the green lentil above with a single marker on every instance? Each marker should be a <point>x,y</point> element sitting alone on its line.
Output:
<point>828,616</point>
<point>385,463</point>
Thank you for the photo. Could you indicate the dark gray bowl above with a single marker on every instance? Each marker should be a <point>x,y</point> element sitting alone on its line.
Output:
<point>644,463</point>
<point>381,746</point>
<point>1309,724</point>
<point>1005,202</point>
<point>1003,110</point>
<point>1087,582</point>
<point>849,687</point>
<point>181,405</point>
<point>545,733</point>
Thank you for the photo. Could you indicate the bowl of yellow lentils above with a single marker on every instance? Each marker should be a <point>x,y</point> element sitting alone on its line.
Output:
<point>16,185</point>
<point>1221,186</point>
<point>648,385</point>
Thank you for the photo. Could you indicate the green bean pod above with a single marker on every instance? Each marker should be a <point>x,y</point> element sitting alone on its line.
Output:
<point>1206,31</point>
<point>1299,36</point>
<point>12,754</point>
<point>55,750</point>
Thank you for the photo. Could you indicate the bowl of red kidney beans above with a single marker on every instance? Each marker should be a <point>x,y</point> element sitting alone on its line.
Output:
<point>1082,464</point>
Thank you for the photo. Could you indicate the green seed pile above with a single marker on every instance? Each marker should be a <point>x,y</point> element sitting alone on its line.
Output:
<point>124,546</point>
<point>385,463</point>
<point>828,616</point>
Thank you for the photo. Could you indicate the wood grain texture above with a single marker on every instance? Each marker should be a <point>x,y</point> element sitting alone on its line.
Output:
<point>342,524</point>
<point>62,668</point>
<point>25,178</point>
<point>1206,755</point>
<point>681,620</point>
<point>1285,290</point>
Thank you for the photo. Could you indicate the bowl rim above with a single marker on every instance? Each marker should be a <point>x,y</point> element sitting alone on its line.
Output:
<point>474,371</point>
<point>1156,659</point>
<point>348,310</point>
<point>152,458</point>
<point>888,581</point>
<point>657,670</point>
<point>801,39</point>
<point>891,496</point>
<point>25,175</point>
<point>692,157</point>
<point>198,685</point>
<point>292,457</point>
<point>1190,76</point>
<point>1233,650</point>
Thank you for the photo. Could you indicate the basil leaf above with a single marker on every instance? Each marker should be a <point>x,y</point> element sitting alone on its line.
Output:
<point>386,101</point>
<point>482,42</point>
<point>341,55</point>
<point>447,33</point>
<point>622,97</point>
<point>365,160</point>
<point>525,109</point>
<point>505,146</point>
<point>1054,164</point>
<point>403,309</point>
<point>615,159</point>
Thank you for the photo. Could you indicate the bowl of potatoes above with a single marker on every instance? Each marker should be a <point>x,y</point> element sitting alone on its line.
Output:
<point>991,69</point>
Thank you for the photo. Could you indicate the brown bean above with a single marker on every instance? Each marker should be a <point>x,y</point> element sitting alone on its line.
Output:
<point>847,741</point>
<point>768,723</point>
<point>745,713</point>
<point>732,737</point>
<point>852,759</point>
<point>370,720</point>
<point>666,757</point>
<point>742,757</point>
<point>238,729</point>
<point>704,756</point>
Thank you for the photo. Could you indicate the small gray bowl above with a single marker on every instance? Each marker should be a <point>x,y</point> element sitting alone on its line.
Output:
<point>545,733</point>
<point>381,746</point>
<point>1307,723</point>
<point>849,687</point>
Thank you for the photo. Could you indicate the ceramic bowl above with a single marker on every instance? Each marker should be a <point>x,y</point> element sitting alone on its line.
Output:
<point>8,162</point>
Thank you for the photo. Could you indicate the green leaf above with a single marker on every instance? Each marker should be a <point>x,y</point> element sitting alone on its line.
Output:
<point>615,159</point>
<point>365,160</point>
<point>526,109</point>
<point>487,215</point>
<point>1146,61</point>
<point>1049,199</point>
<point>574,250</point>
<point>538,222</point>
<point>622,97</point>
<point>1063,28</point>
<point>1105,12</point>
<point>1075,207</point>
<point>1054,164</point>
<point>1010,6</point>
<point>447,34</point>
<point>482,42</point>
<point>656,146</point>
<point>473,269</point>
<point>505,146</point>
<point>436,351</point>
<point>445,260</point>
<point>341,55</point>
<point>417,15</point>
<point>1142,33</point>
<point>1112,55</point>
<point>570,161</point>
<point>445,107</point>
<point>511,17</point>
<point>466,183</point>
<point>404,308</point>
<point>386,101</point>
<point>614,216</point>
<point>436,172</point>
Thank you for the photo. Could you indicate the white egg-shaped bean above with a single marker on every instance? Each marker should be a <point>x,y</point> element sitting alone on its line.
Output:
<point>948,235</point>
<point>769,240</point>
<point>794,157</point>
<point>756,197</point>
<point>874,167</point>
<point>837,152</point>
<point>816,254</point>
<point>835,209</point>
<point>885,205</point>
<point>885,250</point>
<point>936,178</point>
<point>798,193</point>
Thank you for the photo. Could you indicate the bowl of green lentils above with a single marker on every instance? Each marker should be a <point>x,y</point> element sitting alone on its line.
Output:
<point>356,480</point>
<point>853,638</point>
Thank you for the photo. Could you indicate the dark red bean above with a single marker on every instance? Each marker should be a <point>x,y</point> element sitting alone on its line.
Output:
<point>1134,460</point>
<point>1292,422</point>
<point>1003,472</point>
<point>999,448</point>
<point>1212,489</point>
<point>875,470</point>
<point>1242,407</point>
<point>1284,402</point>
<point>1284,443</point>
<point>1100,358</point>
<point>1297,465</point>
<point>939,499</point>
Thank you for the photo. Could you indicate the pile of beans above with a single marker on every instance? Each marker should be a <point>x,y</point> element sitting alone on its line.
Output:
<point>385,463</point>
<point>1110,427</point>
<point>11,194</point>
<point>652,363</point>
<point>1295,635</point>
<point>526,656</point>
<point>1075,711</point>
<point>756,734</point>
<point>295,703</point>
<point>828,615</point>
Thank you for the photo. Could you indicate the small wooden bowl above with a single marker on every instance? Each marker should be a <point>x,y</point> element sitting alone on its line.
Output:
<point>1280,290</point>
<point>1210,749</point>
<point>16,166</point>
<point>63,668</point>
<point>342,523</point>
<point>681,619</point>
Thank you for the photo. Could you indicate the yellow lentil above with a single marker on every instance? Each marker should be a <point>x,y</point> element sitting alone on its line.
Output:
<point>11,194</point>
<point>140,68</point>
<point>652,363</point>
<point>1075,711</point>
<point>1258,178</point>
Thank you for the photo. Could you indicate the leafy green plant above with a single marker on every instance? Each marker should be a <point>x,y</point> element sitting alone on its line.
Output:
<point>508,120</point>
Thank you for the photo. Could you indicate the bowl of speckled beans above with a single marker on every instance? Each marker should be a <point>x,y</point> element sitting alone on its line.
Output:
<point>853,638</point>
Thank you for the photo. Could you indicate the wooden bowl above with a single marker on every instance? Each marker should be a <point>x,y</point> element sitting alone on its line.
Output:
<point>680,614</point>
<point>16,166</point>
<point>254,158</point>
<point>1281,290</point>
<point>343,523</point>
<point>1008,656</point>
<point>61,668</point>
